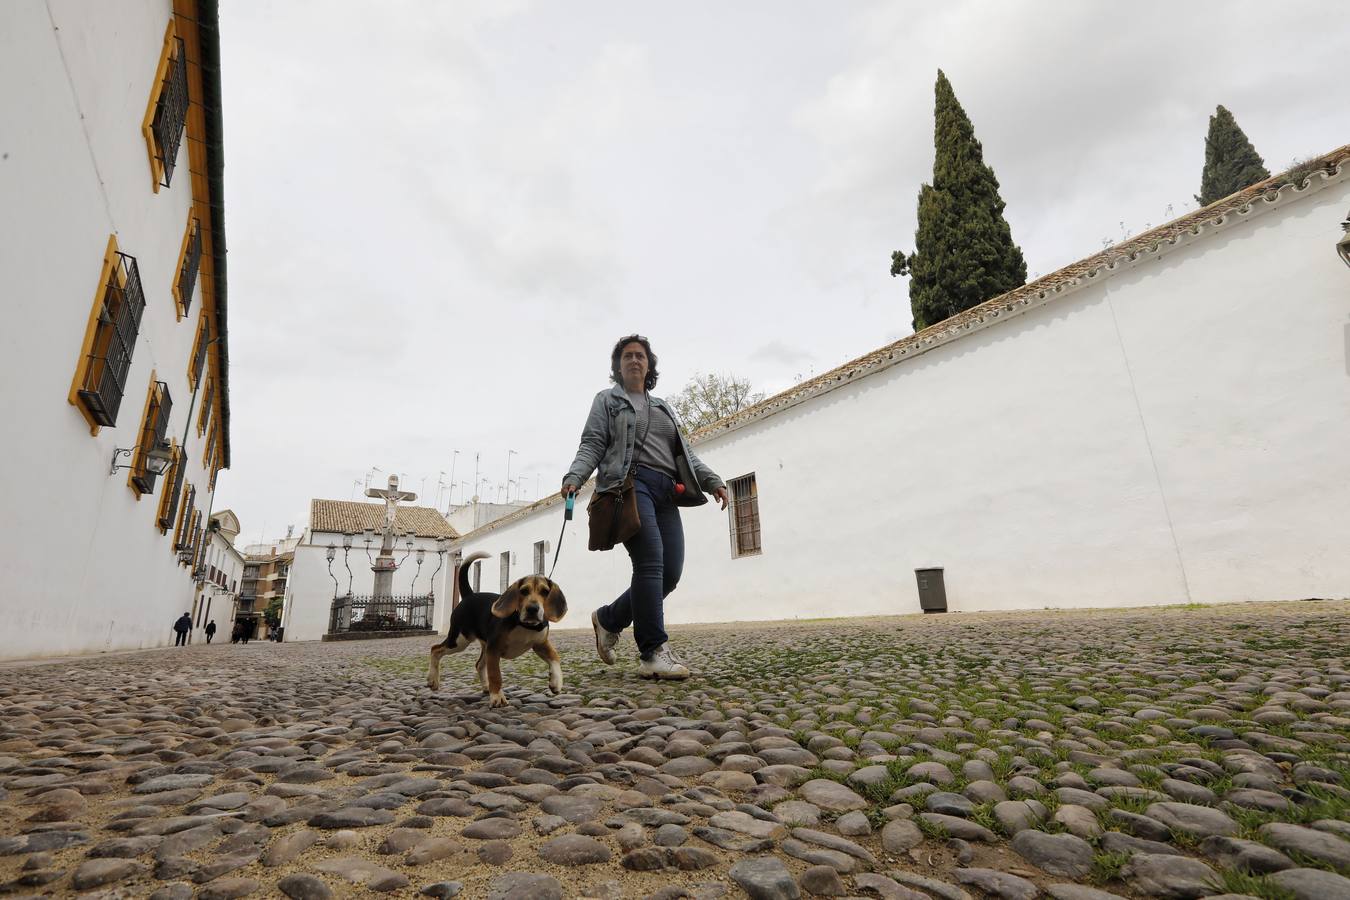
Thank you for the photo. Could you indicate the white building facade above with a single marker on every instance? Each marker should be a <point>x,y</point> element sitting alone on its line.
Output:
<point>113,351</point>
<point>422,552</point>
<point>222,569</point>
<point>1161,423</point>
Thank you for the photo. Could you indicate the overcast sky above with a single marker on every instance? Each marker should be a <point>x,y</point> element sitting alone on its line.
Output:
<point>441,215</point>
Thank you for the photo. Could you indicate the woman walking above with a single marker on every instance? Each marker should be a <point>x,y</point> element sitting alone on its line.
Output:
<point>629,430</point>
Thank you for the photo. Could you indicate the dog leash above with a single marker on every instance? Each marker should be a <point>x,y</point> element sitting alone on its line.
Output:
<point>567,517</point>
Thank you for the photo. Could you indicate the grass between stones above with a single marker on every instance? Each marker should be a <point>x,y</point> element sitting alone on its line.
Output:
<point>1232,881</point>
<point>1106,866</point>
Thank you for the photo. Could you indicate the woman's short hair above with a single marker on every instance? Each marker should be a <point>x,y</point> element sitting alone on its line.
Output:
<point>652,374</point>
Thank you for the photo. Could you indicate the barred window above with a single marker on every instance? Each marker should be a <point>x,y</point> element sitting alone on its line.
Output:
<point>166,118</point>
<point>110,339</point>
<point>154,428</point>
<point>198,362</point>
<point>506,570</point>
<point>205,415</point>
<point>183,532</point>
<point>540,556</point>
<point>168,504</point>
<point>744,516</point>
<point>478,576</point>
<point>189,262</point>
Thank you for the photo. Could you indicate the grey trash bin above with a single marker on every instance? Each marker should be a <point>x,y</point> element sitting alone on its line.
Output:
<point>932,590</point>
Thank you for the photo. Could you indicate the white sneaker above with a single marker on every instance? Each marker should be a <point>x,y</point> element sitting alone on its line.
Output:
<point>663,664</point>
<point>605,641</point>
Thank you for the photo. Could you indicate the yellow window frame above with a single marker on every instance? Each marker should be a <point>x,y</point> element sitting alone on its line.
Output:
<point>95,344</point>
<point>181,303</point>
<point>147,124</point>
<point>153,400</point>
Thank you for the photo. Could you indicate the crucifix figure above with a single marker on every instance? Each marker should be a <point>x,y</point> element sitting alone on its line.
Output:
<point>391,497</point>
<point>384,568</point>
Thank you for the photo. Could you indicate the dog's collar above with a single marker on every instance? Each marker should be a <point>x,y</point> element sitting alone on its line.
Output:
<point>540,627</point>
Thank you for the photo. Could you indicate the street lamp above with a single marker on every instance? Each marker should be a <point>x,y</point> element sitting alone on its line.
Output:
<point>156,461</point>
<point>1343,245</point>
<point>347,549</point>
<point>441,545</point>
<point>331,555</point>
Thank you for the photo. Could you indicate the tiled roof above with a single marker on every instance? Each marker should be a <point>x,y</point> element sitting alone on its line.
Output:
<point>349,517</point>
<point>1100,265</point>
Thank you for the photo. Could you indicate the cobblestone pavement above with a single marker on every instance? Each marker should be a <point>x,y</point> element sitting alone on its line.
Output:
<point>1172,752</point>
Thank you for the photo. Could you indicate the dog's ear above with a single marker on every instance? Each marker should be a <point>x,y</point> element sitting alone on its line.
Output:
<point>555,604</point>
<point>508,603</point>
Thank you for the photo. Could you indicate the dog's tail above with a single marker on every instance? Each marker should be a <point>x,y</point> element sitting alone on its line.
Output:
<point>465,589</point>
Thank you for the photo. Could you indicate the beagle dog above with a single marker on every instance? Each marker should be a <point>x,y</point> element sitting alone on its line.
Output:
<point>505,626</point>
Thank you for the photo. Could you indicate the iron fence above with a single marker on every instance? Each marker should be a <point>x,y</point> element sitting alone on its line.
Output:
<point>362,612</point>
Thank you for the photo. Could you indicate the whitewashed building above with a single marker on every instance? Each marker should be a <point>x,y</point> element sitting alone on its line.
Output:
<point>475,514</point>
<point>113,359</point>
<point>352,530</point>
<point>1165,421</point>
<point>221,570</point>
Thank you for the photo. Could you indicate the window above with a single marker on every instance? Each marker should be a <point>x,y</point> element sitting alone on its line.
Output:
<point>109,340</point>
<point>210,450</point>
<point>198,361</point>
<point>154,427</point>
<point>183,531</point>
<point>744,516</point>
<point>540,556</point>
<point>166,116</point>
<point>478,576</point>
<point>189,262</point>
<point>506,570</point>
<point>205,415</point>
<point>168,503</point>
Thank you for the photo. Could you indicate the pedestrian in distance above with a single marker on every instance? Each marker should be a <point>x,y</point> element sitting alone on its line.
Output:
<point>181,628</point>
<point>210,630</point>
<point>631,434</point>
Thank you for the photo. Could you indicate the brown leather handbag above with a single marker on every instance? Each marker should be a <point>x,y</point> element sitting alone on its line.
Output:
<point>613,514</point>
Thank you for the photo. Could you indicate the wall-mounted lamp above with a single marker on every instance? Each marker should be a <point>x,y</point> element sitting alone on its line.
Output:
<point>156,461</point>
<point>1343,246</point>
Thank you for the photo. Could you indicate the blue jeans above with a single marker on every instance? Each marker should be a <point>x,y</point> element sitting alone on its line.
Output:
<point>657,551</point>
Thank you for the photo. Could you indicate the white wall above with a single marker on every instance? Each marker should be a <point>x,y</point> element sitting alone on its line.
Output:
<point>84,567</point>
<point>215,601</point>
<point>1176,431</point>
<point>309,592</point>
<point>475,515</point>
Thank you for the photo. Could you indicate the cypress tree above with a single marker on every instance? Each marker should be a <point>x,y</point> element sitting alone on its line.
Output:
<point>1231,162</point>
<point>964,252</point>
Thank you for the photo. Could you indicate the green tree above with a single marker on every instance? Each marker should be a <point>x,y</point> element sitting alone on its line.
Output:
<point>707,398</point>
<point>963,248</point>
<point>272,615</point>
<point>1231,162</point>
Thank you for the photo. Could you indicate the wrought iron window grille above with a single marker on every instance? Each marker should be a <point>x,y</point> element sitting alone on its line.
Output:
<point>109,362</point>
<point>154,436</point>
<point>175,490</point>
<point>171,112</point>
<point>744,519</point>
<point>192,259</point>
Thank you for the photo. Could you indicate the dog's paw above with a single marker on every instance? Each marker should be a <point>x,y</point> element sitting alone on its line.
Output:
<point>497,700</point>
<point>555,687</point>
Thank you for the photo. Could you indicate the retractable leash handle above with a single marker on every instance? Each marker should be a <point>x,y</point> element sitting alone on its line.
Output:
<point>567,517</point>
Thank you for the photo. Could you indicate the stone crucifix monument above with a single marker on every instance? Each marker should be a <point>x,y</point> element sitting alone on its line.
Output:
<point>382,597</point>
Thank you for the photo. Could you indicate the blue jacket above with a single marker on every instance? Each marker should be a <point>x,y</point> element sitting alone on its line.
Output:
<point>607,444</point>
